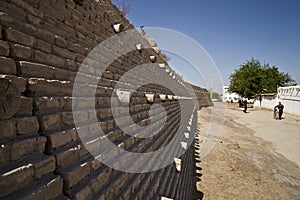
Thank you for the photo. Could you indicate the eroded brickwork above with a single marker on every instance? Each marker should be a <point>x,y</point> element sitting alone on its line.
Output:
<point>42,45</point>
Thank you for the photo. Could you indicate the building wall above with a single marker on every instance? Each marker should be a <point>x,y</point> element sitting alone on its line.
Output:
<point>42,46</point>
<point>288,96</point>
<point>228,97</point>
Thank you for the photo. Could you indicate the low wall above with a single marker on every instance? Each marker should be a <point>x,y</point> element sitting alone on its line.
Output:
<point>288,96</point>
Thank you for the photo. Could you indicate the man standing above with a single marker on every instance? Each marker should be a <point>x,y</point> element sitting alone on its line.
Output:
<point>280,109</point>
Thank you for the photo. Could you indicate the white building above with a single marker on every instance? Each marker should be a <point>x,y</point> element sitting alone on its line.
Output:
<point>228,96</point>
<point>288,96</point>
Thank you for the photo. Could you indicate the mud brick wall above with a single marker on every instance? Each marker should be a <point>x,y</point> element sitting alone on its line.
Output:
<point>203,96</point>
<point>42,46</point>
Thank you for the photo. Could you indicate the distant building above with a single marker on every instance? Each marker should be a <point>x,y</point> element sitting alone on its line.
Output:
<point>228,96</point>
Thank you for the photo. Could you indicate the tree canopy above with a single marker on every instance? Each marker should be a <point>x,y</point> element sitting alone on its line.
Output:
<point>255,78</point>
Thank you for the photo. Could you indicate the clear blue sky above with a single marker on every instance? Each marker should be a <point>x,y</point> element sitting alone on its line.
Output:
<point>231,31</point>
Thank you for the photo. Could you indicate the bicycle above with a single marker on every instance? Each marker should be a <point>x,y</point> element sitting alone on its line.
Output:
<point>276,113</point>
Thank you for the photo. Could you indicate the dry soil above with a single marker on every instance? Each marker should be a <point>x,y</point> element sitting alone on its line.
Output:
<point>255,157</point>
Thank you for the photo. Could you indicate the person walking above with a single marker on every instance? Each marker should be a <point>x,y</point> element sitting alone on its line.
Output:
<point>245,103</point>
<point>280,109</point>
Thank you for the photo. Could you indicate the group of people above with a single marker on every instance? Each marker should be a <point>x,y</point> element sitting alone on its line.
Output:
<point>278,107</point>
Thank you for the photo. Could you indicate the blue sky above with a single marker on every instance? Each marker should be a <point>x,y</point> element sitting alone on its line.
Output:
<point>231,31</point>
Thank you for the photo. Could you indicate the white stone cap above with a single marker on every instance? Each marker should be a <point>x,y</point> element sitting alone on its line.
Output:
<point>184,145</point>
<point>177,164</point>
<point>165,198</point>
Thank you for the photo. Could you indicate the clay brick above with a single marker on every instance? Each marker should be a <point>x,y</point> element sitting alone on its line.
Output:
<point>81,117</point>
<point>8,21</point>
<point>105,113</point>
<point>85,193</point>
<point>108,193</point>
<point>26,107</point>
<point>42,87</point>
<point>106,83</point>
<point>29,6</point>
<point>101,178</point>
<point>20,51</point>
<point>45,35</point>
<point>54,188</point>
<point>63,53</point>
<point>50,122</point>
<point>4,154</point>
<point>110,124</point>
<point>61,7</point>
<point>84,90</point>
<point>88,69</point>
<point>9,8</point>
<point>27,125</point>
<point>83,153</point>
<point>48,10</point>
<point>48,188</point>
<point>94,145</point>
<point>66,158</point>
<point>4,47</point>
<point>61,139</point>
<point>74,175</point>
<point>7,66</point>
<point>59,41</point>
<point>44,166</point>
<point>19,37</point>
<point>7,129</point>
<point>61,74</point>
<point>19,82</point>
<point>13,180</point>
<point>76,48</point>
<point>48,59</point>
<point>83,102</point>
<point>103,102</point>
<point>96,164</point>
<point>61,88</point>
<point>32,192</point>
<point>108,75</point>
<point>43,105</point>
<point>72,65</point>
<point>29,69</point>
<point>127,194</point>
<point>79,58</point>
<point>51,25</point>
<point>34,20</point>
<point>103,126</point>
<point>67,118</point>
<point>120,182</point>
<point>27,146</point>
<point>43,46</point>
<point>67,103</point>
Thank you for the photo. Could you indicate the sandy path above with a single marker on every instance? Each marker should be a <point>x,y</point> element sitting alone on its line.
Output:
<point>283,134</point>
<point>256,156</point>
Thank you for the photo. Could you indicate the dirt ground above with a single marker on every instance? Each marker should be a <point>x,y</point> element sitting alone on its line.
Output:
<point>256,156</point>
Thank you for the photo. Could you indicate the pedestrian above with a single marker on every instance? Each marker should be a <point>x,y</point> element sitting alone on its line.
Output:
<point>245,103</point>
<point>280,109</point>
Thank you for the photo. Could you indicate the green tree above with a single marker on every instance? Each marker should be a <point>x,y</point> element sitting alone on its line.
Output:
<point>254,78</point>
<point>216,95</point>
